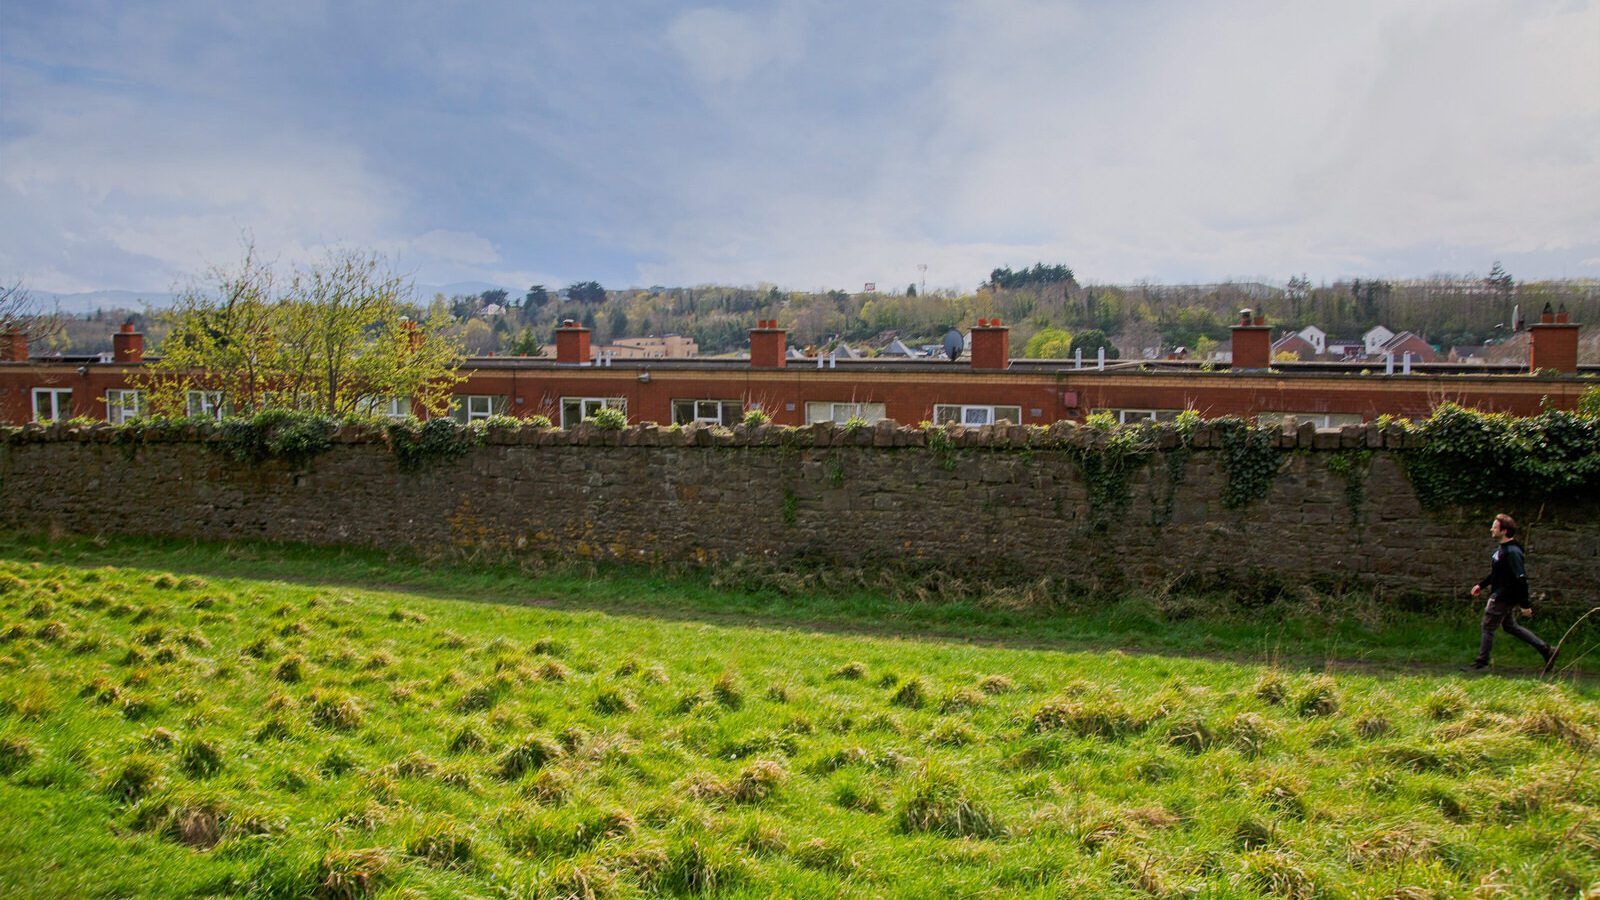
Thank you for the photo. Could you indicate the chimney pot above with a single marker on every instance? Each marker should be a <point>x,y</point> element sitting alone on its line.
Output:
<point>572,344</point>
<point>1553,343</point>
<point>127,345</point>
<point>1252,342</point>
<point>13,346</point>
<point>769,346</point>
<point>991,345</point>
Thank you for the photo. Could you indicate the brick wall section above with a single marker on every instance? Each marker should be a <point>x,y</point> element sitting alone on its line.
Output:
<point>702,495</point>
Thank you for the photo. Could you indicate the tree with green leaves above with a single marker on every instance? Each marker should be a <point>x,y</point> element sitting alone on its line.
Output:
<point>334,339</point>
<point>1091,342</point>
<point>1499,280</point>
<point>1039,275</point>
<point>536,297</point>
<point>1049,343</point>
<point>526,343</point>
<point>586,292</point>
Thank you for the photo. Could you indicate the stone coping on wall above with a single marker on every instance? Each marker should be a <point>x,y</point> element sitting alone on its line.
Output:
<point>885,434</point>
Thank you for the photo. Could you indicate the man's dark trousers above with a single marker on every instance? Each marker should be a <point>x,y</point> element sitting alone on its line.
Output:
<point>1500,614</point>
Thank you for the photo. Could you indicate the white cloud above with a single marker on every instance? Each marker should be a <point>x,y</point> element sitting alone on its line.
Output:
<point>812,142</point>
<point>455,246</point>
<point>722,45</point>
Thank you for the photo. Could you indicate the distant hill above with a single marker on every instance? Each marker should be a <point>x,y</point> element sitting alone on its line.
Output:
<point>89,301</point>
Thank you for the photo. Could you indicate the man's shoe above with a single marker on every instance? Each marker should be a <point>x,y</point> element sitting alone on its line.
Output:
<point>1550,661</point>
<point>1475,667</point>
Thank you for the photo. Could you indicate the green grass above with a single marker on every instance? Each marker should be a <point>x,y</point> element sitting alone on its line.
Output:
<point>187,720</point>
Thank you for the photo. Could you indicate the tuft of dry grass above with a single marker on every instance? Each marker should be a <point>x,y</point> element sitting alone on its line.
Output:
<point>850,671</point>
<point>346,874</point>
<point>1271,688</point>
<point>1102,717</point>
<point>935,800</point>
<point>530,754</point>
<point>1319,698</point>
<point>996,684</point>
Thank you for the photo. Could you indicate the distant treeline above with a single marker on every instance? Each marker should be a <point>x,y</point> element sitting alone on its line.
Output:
<point>1446,310</point>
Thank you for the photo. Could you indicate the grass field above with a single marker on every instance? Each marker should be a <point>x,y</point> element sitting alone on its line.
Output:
<point>180,720</point>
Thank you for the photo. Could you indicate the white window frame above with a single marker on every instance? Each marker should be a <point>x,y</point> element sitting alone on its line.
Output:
<point>123,404</point>
<point>835,411</point>
<point>586,407</point>
<point>469,408</point>
<point>707,412</point>
<point>207,404</point>
<point>60,400</point>
<point>1130,416</point>
<point>1319,419</point>
<point>387,407</point>
<point>974,414</point>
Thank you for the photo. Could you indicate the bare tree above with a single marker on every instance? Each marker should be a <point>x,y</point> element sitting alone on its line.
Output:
<point>21,314</point>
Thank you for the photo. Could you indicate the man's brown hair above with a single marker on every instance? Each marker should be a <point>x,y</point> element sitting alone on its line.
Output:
<point>1508,525</point>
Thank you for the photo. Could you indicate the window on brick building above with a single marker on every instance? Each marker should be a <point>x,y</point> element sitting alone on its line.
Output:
<point>52,404</point>
<point>1319,419</point>
<point>576,409</point>
<point>207,405</point>
<point>708,412</point>
<point>465,408</point>
<point>969,414</point>
<point>828,411</point>
<point>387,407</point>
<point>1126,416</point>
<point>122,405</point>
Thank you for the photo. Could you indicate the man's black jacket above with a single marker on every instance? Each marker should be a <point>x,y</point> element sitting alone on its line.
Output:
<point>1507,580</point>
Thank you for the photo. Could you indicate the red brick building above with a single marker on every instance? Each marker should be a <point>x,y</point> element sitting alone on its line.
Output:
<point>986,387</point>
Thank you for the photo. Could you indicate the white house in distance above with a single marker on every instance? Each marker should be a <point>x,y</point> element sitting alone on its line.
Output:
<point>1316,337</point>
<point>1375,338</point>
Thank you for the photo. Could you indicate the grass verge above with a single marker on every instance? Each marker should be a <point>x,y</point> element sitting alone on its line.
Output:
<point>196,720</point>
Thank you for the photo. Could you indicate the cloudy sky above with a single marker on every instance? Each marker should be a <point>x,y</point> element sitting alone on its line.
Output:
<point>809,143</point>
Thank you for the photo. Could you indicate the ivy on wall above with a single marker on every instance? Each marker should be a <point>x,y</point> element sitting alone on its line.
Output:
<point>1352,466</point>
<point>1250,460</point>
<point>416,445</point>
<point>293,437</point>
<point>1469,457</point>
<point>1106,461</point>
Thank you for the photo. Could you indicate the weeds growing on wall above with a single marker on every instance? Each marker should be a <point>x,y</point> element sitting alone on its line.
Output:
<point>417,445</point>
<point>294,437</point>
<point>1471,457</point>
<point>1250,460</point>
<point>1352,466</point>
<point>1176,461</point>
<point>1106,462</point>
<point>941,445</point>
<point>609,419</point>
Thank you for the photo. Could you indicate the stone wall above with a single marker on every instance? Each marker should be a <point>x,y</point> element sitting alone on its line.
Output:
<point>1001,502</point>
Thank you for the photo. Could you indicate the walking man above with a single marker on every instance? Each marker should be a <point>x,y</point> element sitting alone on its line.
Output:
<point>1507,582</point>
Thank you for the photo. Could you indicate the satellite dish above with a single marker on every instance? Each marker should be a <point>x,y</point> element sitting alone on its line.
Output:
<point>952,344</point>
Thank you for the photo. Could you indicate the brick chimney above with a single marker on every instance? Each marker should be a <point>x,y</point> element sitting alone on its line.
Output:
<point>13,346</point>
<point>127,345</point>
<point>769,345</point>
<point>991,345</point>
<point>1553,342</point>
<point>572,344</point>
<point>1252,342</point>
